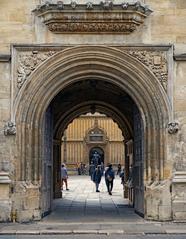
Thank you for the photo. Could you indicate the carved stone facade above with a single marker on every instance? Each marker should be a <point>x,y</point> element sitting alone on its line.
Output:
<point>133,58</point>
<point>106,17</point>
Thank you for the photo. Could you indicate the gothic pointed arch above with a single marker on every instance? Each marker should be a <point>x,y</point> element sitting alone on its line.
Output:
<point>73,65</point>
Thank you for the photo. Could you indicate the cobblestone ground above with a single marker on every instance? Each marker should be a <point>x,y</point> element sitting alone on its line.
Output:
<point>83,204</point>
<point>97,237</point>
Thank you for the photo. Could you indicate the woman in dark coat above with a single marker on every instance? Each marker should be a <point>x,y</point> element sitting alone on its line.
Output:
<point>97,177</point>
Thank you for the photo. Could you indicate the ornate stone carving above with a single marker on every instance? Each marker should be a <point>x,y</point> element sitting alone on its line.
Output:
<point>105,17</point>
<point>27,63</point>
<point>106,5</point>
<point>92,27</point>
<point>10,128</point>
<point>156,61</point>
<point>173,127</point>
<point>89,5</point>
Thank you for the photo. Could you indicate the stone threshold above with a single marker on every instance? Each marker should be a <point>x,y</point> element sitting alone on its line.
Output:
<point>89,232</point>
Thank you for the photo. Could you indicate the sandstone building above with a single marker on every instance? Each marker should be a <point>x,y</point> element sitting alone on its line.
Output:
<point>87,134</point>
<point>59,60</point>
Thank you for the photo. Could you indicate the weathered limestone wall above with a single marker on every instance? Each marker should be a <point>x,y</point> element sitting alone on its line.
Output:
<point>165,25</point>
<point>5,143</point>
<point>179,149</point>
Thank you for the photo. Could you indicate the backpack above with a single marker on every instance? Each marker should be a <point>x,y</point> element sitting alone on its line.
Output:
<point>109,175</point>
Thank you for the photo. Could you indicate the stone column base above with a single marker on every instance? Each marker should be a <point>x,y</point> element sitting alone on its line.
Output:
<point>158,201</point>
<point>27,202</point>
<point>179,196</point>
<point>5,202</point>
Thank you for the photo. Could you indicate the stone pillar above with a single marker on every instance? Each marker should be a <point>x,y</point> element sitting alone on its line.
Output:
<point>5,202</point>
<point>179,196</point>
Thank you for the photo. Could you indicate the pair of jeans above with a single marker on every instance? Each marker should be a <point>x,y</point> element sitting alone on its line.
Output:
<point>97,186</point>
<point>109,185</point>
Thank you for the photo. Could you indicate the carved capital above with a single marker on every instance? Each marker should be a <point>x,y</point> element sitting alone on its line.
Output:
<point>9,128</point>
<point>173,127</point>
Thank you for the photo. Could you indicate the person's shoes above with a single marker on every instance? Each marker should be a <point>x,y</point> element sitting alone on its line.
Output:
<point>110,193</point>
<point>97,191</point>
<point>67,189</point>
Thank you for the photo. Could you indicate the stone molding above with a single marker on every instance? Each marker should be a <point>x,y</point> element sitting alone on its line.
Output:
<point>181,57</point>
<point>173,127</point>
<point>9,128</point>
<point>4,178</point>
<point>105,17</point>
<point>5,57</point>
<point>179,177</point>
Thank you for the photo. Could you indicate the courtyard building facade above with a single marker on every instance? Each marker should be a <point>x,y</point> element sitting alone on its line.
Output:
<point>88,134</point>
<point>62,59</point>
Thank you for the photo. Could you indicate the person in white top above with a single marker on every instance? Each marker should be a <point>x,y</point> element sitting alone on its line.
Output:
<point>64,177</point>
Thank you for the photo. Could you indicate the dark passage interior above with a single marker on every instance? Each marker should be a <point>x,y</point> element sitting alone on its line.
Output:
<point>93,95</point>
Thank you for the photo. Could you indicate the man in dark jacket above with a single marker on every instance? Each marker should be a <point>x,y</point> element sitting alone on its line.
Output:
<point>97,177</point>
<point>109,178</point>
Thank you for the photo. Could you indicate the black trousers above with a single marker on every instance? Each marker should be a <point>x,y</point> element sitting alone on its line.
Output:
<point>109,185</point>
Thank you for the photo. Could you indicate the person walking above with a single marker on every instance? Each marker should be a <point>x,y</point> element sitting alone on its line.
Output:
<point>119,169</point>
<point>97,177</point>
<point>109,178</point>
<point>91,170</point>
<point>79,168</point>
<point>122,176</point>
<point>64,177</point>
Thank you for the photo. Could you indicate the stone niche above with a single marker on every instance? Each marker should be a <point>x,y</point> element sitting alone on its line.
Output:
<point>179,196</point>
<point>105,17</point>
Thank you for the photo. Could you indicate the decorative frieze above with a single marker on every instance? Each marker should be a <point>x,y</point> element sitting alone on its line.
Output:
<point>9,128</point>
<point>156,61</point>
<point>28,62</point>
<point>173,127</point>
<point>105,17</point>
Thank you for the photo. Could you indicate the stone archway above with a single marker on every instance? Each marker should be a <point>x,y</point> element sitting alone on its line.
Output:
<point>70,66</point>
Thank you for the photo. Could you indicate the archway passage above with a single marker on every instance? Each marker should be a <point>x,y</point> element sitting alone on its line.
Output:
<point>88,79</point>
<point>91,95</point>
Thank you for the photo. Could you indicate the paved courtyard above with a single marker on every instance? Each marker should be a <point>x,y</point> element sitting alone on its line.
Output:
<point>82,204</point>
<point>83,213</point>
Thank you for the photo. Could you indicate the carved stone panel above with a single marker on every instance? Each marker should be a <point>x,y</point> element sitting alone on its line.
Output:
<point>28,62</point>
<point>9,128</point>
<point>156,61</point>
